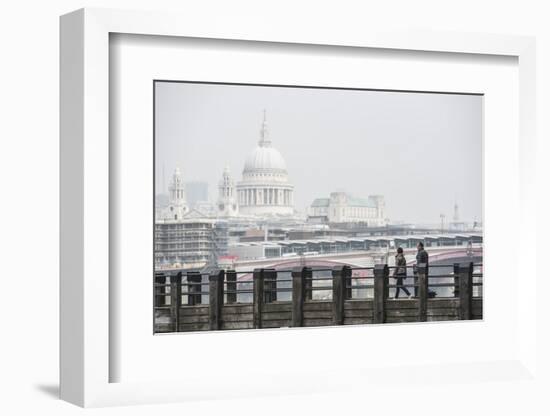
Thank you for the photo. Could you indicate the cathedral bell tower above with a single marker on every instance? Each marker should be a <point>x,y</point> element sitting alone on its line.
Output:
<point>177,205</point>
<point>227,203</point>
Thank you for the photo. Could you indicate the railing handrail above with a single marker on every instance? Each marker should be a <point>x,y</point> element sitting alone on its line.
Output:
<point>314,269</point>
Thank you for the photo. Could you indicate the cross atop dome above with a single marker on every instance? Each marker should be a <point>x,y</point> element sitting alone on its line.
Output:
<point>264,134</point>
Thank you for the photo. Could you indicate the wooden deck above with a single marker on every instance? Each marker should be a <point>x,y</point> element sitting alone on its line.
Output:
<point>317,313</point>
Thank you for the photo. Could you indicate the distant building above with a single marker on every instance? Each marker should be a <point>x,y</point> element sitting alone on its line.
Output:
<point>196,192</point>
<point>162,200</point>
<point>342,207</point>
<point>247,251</point>
<point>457,225</point>
<point>265,189</point>
<point>205,207</point>
<point>177,204</point>
<point>227,202</point>
<point>194,241</point>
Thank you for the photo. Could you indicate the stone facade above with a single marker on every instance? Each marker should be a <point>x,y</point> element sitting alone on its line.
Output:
<point>342,207</point>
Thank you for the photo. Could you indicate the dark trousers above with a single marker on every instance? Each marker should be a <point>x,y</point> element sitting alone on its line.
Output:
<point>400,286</point>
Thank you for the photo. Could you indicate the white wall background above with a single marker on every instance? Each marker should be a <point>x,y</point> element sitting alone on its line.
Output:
<point>29,184</point>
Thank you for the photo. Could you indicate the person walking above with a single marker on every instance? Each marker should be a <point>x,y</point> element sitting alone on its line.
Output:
<point>400,273</point>
<point>421,257</point>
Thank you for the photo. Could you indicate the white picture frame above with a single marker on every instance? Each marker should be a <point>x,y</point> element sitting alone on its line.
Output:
<point>86,334</point>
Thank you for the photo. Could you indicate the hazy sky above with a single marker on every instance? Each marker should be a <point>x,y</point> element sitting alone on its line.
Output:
<point>421,151</point>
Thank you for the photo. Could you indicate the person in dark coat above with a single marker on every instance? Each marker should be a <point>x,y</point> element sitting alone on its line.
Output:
<point>421,257</point>
<point>400,272</point>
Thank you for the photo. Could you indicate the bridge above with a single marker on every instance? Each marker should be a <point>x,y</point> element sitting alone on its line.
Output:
<point>305,296</point>
<point>366,258</point>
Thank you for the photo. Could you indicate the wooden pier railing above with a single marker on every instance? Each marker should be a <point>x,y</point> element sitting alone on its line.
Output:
<point>193,301</point>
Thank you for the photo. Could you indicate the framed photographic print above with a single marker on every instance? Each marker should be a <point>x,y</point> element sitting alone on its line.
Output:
<point>241,207</point>
<point>283,243</point>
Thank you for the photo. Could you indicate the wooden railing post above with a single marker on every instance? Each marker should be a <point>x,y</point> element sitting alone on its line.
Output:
<point>348,294</point>
<point>194,296</point>
<point>308,292</point>
<point>340,274</point>
<point>175,300</point>
<point>456,279</point>
<point>346,274</point>
<point>415,280</point>
<point>270,285</point>
<point>299,276</point>
<point>381,275</point>
<point>231,278</point>
<point>422,271</point>
<point>215,294</point>
<point>160,291</point>
<point>465,272</point>
<point>258,300</point>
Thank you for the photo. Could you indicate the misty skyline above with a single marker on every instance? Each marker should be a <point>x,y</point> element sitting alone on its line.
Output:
<point>421,151</point>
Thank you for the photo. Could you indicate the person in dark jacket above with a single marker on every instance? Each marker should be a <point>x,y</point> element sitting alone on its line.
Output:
<point>400,273</point>
<point>421,257</point>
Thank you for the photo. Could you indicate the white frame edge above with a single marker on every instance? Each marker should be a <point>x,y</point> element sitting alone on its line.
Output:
<point>71,314</point>
<point>84,154</point>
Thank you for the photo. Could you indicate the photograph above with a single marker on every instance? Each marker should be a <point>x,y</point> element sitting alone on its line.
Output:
<point>280,206</point>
